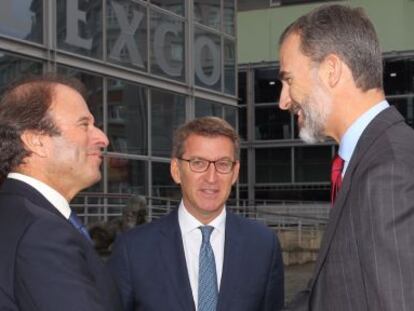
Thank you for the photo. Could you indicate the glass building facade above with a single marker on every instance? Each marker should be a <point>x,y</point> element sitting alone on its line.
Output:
<point>148,65</point>
<point>278,166</point>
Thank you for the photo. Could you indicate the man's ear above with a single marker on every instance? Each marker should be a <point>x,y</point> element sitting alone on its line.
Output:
<point>332,67</point>
<point>175,171</point>
<point>34,142</point>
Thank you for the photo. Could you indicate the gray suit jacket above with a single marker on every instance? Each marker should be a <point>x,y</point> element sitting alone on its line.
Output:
<point>366,261</point>
<point>149,266</point>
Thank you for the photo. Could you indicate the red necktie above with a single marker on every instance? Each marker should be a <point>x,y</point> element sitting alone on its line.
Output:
<point>336,176</point>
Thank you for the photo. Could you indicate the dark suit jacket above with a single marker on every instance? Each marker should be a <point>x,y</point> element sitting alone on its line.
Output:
<point>45,263</point>
<point>366,261</point>
<point>149,266</point>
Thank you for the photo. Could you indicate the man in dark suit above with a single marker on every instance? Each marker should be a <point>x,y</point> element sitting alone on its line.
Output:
<point>49,151</point>
<point>201,256</point>
<point>331,71</point>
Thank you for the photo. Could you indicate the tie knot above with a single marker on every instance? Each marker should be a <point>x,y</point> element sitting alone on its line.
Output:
<point>206,233</point>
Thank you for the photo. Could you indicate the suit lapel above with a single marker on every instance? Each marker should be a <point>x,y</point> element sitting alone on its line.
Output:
<point>232,265</point>
<point>172,252</point>
<point>375,129</point>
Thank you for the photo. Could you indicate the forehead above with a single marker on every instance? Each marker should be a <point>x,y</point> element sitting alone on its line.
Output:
<point>68,104</point>
<point>208,146</point>
<point>291,57</point>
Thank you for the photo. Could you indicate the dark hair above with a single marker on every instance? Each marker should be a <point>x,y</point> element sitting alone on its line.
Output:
<point>346,32</point>
<point>205,126</point>
<point>24,106</point>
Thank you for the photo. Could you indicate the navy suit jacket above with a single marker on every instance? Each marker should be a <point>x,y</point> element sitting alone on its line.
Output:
<point>45,263</point>
<point>366,258</point>
<point>150,269</point>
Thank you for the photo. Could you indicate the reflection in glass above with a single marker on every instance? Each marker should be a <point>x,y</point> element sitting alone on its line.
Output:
<point>207,60</point>
<point>267,85</point>
<point>242,86</point>
<point>127,117</point>
<point>313,163</point>
<point>229,13</point>
<point>243,122</point>
<point>272,123</point>
<point>162,183</point>
<point>22,19</point>
<point>243,166</point>
<point>273,165</point>
<point>207,12</point>
<point>205,107</point>
<point>79,27</point>
<point>93,85</point>
<point>230,115</point>
<point>167,46</point>
<point>13,68</point>
<point>127,176</point>
<point>167,113</point>
<point>229,67</point>
<point>399,76</point>
<point>127,34</point>
<point>175,6</point>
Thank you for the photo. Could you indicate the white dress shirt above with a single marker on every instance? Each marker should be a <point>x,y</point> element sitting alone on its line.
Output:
<point>192,238</point>
<point>54,197</point>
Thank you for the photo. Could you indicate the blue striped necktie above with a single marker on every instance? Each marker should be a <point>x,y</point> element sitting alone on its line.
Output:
<point>75,221</point>
<point>207,277</point>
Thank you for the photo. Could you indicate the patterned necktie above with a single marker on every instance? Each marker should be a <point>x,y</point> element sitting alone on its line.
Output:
<point>75,221</point>
<point>207,277</point>
<point>336,176</point>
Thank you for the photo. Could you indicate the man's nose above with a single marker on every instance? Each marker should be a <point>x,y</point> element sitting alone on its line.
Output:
<point>284,99</point>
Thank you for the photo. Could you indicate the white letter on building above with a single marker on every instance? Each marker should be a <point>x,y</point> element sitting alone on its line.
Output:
<point>73,17</point>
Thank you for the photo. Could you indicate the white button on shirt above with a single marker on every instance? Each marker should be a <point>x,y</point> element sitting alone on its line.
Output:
<point>191,236</point>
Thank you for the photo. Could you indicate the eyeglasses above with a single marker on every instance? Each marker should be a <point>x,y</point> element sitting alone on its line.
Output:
<point>202,165</point>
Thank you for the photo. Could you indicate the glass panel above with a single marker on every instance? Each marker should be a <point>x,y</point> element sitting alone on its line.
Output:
<point>162,183</point>
<point>175,6</point>
<point>272,123</point>
<point>312,163</point>
<point>207,12</point>
<point>242,83</point>
<point>13,68</point>
<point>229,12</point>
<point>207,60</point>
<point>273,165</point>
<point>399,76</point>
<point>127,117</point>
<point>229,67</point>
<point>167,113</point>
<point>406,107</point>
<point>267,86</point>
<point>230,115</point>
<point>243,122</point>
<point>22,19</point>
<point>127,176</point>
<point>243,166</point>
<point>93,85</point>
<point>127,34</point>
<point>79,27</point>
<point>207,108</point>
<point>167,46</point>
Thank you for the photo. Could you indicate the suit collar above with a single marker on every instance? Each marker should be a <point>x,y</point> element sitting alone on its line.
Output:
<point>19,188</point>
<point>172,252</point>
<point>375,129</point>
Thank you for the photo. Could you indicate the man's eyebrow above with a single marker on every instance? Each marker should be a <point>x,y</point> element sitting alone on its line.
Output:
<point>83,119</point>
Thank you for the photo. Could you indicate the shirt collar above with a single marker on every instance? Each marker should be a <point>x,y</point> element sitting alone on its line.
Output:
<point>189,223</point>
<point>354,132</point>
<point>54,197</point>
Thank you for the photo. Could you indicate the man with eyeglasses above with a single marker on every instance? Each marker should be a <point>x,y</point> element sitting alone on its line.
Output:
<point>201,256</point>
